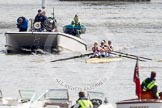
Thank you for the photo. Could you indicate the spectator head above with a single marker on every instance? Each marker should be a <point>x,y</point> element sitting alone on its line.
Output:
<point>81,94</point>
<point>153,74</point>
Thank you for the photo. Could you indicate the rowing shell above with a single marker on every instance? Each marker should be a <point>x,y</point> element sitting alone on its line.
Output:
<point>103,60</point>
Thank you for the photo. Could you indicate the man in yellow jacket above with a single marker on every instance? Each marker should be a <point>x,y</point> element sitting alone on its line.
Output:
<point>83,102</point>
<point>149,84</point>
<point>75,21</point>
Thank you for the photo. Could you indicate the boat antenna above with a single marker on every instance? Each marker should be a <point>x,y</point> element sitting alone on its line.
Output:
<point>53,13</point>
<point>43,4</point>
<point>54,20</point>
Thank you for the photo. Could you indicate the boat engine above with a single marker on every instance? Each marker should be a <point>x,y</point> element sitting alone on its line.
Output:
<point>49,24</point>
<point>96,102</point>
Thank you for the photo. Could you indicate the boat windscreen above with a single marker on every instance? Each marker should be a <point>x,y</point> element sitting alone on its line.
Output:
<point>1,94</point>
<point>26,94</point>
<point>95,95</point>
<point>56,95</point>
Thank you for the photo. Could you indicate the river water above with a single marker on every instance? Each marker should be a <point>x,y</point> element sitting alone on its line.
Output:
<point>133,27</point>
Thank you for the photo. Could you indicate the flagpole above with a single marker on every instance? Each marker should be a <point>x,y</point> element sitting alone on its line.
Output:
<point>136,80</point>
<point>139,78</point>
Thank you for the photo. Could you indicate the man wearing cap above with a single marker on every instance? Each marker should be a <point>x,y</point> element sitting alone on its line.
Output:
<point>149,84</point>
<point>83,102</point>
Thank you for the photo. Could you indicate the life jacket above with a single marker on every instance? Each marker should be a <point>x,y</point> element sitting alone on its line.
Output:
<point>84,103</point>
<point>76,23</point>
<point>148,84</point>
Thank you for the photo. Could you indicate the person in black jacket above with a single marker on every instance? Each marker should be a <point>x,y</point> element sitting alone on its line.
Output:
<point>40,18</point>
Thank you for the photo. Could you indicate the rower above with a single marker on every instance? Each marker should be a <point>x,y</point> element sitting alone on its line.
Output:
<point>102,49</point>
<point>109,49</point>
<point>95,50</point>
<point>150,85</point>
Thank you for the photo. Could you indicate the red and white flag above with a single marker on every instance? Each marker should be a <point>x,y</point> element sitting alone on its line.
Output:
<point>136,80</point>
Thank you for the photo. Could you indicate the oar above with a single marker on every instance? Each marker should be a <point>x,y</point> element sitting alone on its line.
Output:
<point>74,57</point>
<point>135,58</point>
<point>132,55</point>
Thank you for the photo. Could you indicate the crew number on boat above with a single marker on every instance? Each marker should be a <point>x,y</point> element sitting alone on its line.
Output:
<point>139,106</point>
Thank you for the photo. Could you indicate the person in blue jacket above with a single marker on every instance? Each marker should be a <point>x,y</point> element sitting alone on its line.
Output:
<point>22,24</point>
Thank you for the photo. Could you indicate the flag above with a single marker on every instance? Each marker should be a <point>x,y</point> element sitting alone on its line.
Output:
<point>136,80</point>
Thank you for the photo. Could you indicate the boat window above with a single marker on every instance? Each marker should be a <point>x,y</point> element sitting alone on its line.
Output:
<point>1,94</point>
<point>95,95</point>
<point>55,94</point>
<point>26,94</point>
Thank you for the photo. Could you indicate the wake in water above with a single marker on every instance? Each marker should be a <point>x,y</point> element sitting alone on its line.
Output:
<point>7,25</point>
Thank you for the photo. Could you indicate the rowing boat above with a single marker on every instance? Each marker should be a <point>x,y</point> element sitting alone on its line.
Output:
<point>103,60</point>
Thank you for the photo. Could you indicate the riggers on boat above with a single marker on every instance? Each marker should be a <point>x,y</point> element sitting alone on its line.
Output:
<point>74,30</point>
<point>103,59</point>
